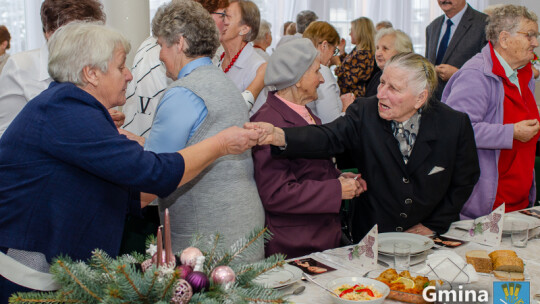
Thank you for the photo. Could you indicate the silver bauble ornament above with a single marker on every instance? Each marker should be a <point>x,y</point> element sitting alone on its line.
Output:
<point>146,264</point>
<point>182,292</point>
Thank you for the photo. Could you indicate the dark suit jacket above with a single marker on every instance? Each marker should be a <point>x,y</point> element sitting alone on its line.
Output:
<point>468,40</point>
<point>301,197</point>
<point>431,189</point>
<point>373,84</point>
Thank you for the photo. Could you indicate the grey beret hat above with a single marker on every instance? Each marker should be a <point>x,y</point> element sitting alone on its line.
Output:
<point>289,62</point>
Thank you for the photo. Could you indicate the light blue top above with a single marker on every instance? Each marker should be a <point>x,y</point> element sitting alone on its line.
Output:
<point>178,115</point>
<point>455,20</point>
<point>511,74</point>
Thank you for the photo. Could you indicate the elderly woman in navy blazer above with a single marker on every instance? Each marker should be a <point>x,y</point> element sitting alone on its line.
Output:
<point>67,176</point>
<point>417,154</point>
<point>301,197</point>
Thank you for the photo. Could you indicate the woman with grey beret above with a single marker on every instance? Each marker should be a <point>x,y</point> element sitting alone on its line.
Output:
<point>301,197</point>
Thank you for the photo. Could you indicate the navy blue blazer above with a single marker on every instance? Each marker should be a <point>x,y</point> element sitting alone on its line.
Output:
<point>67,177</point>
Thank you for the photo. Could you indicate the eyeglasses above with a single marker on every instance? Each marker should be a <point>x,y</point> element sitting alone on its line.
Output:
<point>530,35</point>
<point>221,15</point>
<point>336,51</point>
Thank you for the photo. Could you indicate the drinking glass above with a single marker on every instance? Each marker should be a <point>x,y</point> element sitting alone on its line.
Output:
<point>402,256</point>
<point>520,234</point>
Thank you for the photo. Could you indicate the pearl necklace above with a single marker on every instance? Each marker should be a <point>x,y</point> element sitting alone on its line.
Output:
<point>233,60</point>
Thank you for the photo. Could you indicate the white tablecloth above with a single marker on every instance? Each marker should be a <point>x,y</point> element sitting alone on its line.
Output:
<point>530,256</point>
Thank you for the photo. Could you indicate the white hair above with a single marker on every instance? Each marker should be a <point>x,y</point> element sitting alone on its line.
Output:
<point>264,29</point>
<point>402,41</point>
<point>79,44</point>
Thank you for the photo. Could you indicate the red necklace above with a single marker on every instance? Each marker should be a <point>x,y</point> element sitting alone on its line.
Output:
<point>233,59</point>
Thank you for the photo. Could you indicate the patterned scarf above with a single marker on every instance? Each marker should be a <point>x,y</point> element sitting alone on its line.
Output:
<point>405,134</point>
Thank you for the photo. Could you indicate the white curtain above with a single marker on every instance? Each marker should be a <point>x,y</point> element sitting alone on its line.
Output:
<point>410,16</point>
<point>23,23</point>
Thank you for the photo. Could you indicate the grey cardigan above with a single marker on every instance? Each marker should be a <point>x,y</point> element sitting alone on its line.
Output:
<point>223,197</point>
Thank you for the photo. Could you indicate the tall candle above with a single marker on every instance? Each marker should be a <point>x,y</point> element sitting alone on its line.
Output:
<point>169,256</point>
<point>159,247</point>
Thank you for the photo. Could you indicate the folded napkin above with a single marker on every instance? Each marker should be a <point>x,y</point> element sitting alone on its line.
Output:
<point>360,257</point>
<point>485,230</point>
<point>449,266</point>
<point>488,230</point>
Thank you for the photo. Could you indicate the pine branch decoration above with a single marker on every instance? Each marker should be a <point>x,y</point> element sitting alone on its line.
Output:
<point>117,281</point>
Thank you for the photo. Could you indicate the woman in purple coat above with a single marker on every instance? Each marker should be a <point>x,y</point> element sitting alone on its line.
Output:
<point>301,197</point>
<point>496,89</point>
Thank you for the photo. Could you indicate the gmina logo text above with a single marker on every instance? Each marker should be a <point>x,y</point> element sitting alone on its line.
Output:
<point>430,294</point>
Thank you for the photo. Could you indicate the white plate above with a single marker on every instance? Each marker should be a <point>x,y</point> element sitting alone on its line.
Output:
<point>418,242</point>
<point>279,277</point>
<point>509,218</point>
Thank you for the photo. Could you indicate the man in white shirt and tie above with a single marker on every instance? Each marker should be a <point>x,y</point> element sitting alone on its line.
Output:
<point>453,38</point>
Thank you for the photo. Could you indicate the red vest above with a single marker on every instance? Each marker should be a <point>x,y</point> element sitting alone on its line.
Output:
<point>516,165</point>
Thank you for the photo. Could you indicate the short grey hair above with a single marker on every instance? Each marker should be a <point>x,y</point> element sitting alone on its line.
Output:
<point>489,10</point>
<point>304,19</point>
<point>79,44</point>
<point>384,24</point>
<point>402,41</point>
<point>188,19</point>
<point>264,28</point>
<point>507,18</point>
<point>422,75</point>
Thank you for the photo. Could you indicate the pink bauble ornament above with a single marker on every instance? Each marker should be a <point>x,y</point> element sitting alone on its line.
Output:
<point>198,281</point>
<point>155,258</point>
<point>223,275</point>
<point>182,292</point>
<point>185,270</point>
<point>189,256</point>
<point>146,264</point>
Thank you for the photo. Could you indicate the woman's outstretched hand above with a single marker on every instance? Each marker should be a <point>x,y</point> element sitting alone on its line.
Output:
<point>235,140</point>
<point>269,135</point>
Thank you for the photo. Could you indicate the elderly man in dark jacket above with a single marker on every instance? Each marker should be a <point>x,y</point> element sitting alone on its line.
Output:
<point>418,157</point>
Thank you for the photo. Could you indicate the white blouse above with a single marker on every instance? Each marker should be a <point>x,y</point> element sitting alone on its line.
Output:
<point>328,105</point>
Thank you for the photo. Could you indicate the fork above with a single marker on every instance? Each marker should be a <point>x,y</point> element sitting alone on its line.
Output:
<point>310,279</point>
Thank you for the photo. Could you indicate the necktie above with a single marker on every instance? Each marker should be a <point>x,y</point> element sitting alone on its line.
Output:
<point>402,136</point>
<point>444,42</point>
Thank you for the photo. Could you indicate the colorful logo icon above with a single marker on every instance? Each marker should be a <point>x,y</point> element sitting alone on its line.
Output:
<point>511,292</point>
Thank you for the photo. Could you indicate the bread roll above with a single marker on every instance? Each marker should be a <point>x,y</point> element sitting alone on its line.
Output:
<point>498,253</point>
<point>480,260</point>
<point>508,276</point>
<point>508,263</point>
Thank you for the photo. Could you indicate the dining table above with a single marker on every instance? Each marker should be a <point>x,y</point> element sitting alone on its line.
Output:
<point>530,255</point>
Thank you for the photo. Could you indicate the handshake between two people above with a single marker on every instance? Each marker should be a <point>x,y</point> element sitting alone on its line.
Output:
<point>236,140</point>
<point>352,185</point>
<point>268,134</point>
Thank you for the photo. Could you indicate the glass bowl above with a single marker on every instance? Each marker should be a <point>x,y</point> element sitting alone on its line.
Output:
<point>379,286</point>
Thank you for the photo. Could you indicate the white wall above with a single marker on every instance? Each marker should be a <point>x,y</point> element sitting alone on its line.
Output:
<point>34,30</point>
<point>131,18</point>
